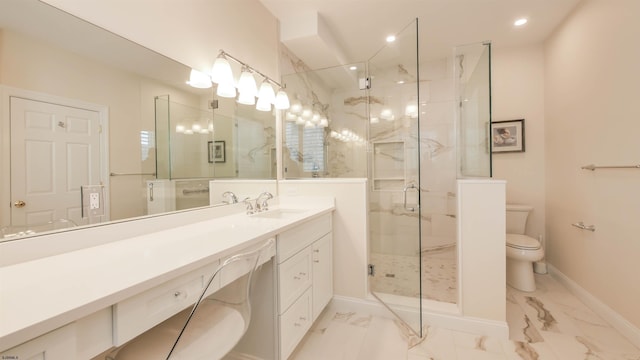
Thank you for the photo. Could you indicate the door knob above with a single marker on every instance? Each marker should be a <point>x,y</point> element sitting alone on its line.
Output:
<point>19,204</point>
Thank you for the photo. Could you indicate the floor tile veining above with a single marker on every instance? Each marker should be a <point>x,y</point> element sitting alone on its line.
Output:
<point>398,275</point>
<point>547,324</point>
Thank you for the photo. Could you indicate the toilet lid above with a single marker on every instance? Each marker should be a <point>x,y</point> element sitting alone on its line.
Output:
<point>522,242</point>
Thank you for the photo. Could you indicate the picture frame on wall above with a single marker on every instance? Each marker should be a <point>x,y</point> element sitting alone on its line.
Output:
<point>507,136</point>
<point>217,152</point>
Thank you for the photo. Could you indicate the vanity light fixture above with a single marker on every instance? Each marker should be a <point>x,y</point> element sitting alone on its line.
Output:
<point>199,80</point>
<point>266,96</point>
<point>227,90</point>
<point>282,100</point>
<point>221,72</point>
<point>307,113</point>
<point>247,87</point>
<point>222,75</point>
<point>391,38</point>
<point>296,107</point>
<point>289,116</point>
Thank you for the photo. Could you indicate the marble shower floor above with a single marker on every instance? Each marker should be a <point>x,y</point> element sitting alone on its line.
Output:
<point>548,324</point>
<point>398,275</point>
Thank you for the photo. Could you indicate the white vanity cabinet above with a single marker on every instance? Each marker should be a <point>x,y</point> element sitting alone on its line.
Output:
<point>305,279</point>
<point>57,344</point>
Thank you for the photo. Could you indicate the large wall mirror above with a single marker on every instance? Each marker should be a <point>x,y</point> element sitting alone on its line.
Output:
<point>96,128</point>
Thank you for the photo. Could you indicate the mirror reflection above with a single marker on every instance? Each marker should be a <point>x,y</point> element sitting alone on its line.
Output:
<point>91,127</point>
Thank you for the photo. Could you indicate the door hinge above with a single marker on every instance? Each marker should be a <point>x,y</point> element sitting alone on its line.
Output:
<point>371,270</point>
<point>365,83</point>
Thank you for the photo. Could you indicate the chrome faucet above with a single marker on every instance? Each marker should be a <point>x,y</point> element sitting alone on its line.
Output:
<point>233,199</point>
<point>250,210</point>
<point>261,201</point>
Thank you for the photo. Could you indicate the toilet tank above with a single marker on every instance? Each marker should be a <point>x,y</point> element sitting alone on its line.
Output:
<point>517,218</point>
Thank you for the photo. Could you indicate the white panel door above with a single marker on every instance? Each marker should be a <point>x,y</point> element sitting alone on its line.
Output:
<point>55,149</point>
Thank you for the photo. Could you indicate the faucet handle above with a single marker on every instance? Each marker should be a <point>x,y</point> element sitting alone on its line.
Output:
<point>263,205</point>
<point>247,201</point>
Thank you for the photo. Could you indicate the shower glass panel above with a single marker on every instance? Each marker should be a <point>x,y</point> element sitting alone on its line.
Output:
<point>325,129</point>
<point>394,173</point>
<point>472,67</point>
<point>183,134</point>
<point>253,140</point>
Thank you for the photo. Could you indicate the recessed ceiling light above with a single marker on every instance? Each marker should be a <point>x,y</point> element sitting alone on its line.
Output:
<point>391,38</point>
<point>520,22</point>
<point>353,68</point>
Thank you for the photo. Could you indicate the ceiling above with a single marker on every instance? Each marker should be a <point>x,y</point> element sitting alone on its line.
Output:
<point>330,32</point>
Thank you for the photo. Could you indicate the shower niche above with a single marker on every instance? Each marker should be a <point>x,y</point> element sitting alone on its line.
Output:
<point>388,166</point>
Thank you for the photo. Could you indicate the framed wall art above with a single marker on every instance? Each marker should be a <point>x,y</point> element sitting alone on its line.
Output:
<point>217,152</point>
<point>507,136</point>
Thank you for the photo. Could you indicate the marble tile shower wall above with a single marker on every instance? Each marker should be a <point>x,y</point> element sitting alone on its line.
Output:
<point>335,94</point>
<point>255,149</point>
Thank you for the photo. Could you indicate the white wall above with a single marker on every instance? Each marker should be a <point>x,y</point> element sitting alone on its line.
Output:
<point>591,96</point>
<point>518,93</point>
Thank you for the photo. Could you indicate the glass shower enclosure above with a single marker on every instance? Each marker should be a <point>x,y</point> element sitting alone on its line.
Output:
<point>412,127</point>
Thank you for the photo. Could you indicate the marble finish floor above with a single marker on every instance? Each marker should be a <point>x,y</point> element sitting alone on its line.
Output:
<point>398,275</point>
<point>548,324</point>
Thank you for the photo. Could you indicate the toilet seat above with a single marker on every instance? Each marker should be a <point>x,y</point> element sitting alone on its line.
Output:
<point>522,242</point>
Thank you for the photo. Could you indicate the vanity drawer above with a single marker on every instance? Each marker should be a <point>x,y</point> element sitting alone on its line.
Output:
<point>294,324</point>
<point>294,240</point>
<point>140,313</point>
<point>59,344</point>
<point>294,277</point>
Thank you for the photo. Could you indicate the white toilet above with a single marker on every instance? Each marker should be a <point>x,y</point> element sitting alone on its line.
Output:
<point>522,250</point>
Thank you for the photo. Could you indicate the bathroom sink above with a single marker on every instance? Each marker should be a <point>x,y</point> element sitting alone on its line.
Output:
<point>279,213</point>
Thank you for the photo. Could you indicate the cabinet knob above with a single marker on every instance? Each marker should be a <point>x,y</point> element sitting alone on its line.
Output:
<point>177,293</point>
<point>297,324</point>
<point>316,261</point>
<point>316,250</point>
<point>303,273</point>
<point>296,277</point>
<point>303,318</point>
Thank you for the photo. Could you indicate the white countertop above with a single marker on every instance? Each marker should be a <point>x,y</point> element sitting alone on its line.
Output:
<point>41,295</point>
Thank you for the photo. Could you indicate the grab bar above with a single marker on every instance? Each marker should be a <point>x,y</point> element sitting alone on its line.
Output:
<point>581,225</point>
<point>404,196</point>
<point>129,174</point>
<point>592,167</point>
<point>194,191</point>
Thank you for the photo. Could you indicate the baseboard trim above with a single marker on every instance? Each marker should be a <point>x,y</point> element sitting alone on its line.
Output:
<point>627,329</point>
<point>448,320</point>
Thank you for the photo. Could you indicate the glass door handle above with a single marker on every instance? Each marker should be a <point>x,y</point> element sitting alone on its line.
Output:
<point>404,196</point>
